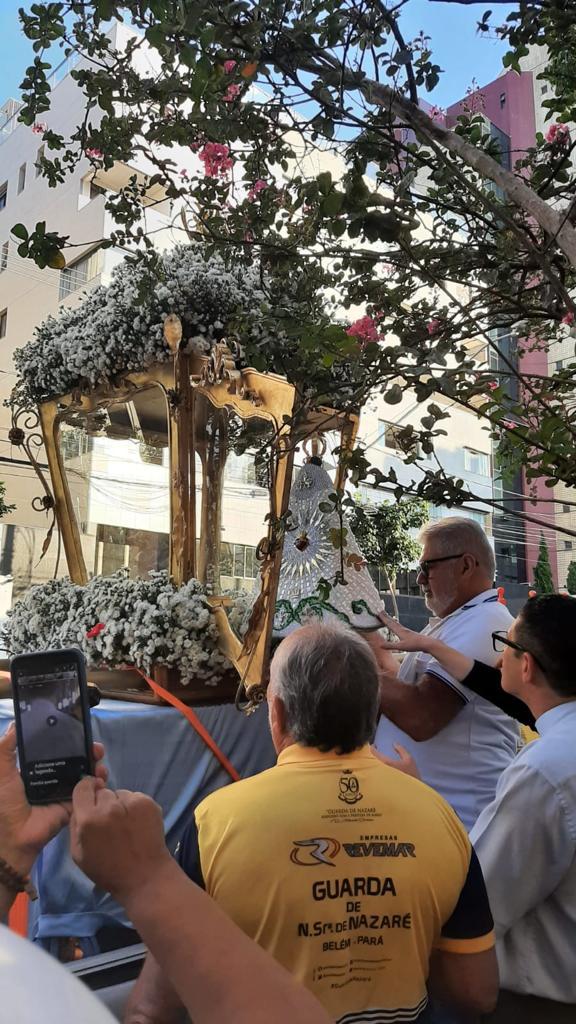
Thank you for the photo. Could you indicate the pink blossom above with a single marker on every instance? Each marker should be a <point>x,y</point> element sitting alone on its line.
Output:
<point>216,159</point>
<point>558,134</point>
<point>365,329</point>
<point>94,154</point>
<point>39,128</point>
<point>229,66</point>
<point>257,187</point>
<point>492,385</point>
<point>509,424</point>
<point>568,318</point>
<point>433,327</point>
<point>184,175</point>
<point>232,93</point>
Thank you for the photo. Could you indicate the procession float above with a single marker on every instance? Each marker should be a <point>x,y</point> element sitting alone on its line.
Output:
<point>186,490</point>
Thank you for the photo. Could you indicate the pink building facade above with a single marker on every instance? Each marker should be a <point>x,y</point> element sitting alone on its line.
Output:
<point>508,104</point>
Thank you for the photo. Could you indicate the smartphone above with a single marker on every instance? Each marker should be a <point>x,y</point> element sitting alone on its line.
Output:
<point>52,713</point>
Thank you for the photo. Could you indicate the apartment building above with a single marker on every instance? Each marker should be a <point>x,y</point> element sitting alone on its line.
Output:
<point>512,105</point>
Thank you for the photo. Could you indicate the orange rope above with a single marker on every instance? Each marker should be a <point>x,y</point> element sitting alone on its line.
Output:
<point>194,722</point>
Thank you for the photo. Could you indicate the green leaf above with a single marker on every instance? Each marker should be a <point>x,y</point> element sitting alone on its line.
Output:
<point>324,182</point>
<point>19,231</point>
<point>394,395</point>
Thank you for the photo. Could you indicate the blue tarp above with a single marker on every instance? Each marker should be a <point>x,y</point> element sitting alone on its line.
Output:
<point>155,750</point>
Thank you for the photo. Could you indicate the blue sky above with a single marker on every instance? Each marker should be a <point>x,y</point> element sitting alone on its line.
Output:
<point>457,49</point>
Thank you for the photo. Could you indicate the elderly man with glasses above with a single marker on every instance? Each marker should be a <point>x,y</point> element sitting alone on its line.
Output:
<point>461,741</point>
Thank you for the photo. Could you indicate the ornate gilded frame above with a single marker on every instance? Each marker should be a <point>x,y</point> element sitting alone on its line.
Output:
<point>245,392</point>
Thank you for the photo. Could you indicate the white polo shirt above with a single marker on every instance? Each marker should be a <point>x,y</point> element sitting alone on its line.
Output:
<point>464,761</point>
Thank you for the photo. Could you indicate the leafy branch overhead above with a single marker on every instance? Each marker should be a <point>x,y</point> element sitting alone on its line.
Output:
<point>408,248</point>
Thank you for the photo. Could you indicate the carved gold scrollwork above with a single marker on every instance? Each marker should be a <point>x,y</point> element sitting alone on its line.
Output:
<point>220,365</point>
<point>25,433</point>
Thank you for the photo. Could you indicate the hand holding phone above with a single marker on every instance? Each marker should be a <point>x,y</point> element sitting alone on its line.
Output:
<point>52,714</point>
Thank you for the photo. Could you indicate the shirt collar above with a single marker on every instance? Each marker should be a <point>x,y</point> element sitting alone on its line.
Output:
<point>298,754</point>
<point>551,718</point>
<point>484,598</point>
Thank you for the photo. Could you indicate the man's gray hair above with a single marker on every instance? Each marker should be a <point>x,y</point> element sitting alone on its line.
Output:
<point>456,535</point>
<point>328,683</point>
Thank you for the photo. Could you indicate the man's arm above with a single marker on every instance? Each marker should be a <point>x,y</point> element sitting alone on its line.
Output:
<point>463,966</point>
<point>526,815</point>
<point>153,999</point>
<point>421,710</point>
<point>465,981</point>
<point>118,840</point>
<point>25,830</point>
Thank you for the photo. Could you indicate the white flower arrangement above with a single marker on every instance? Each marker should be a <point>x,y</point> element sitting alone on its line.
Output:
<point>116,620</point>
<point>119,328</point>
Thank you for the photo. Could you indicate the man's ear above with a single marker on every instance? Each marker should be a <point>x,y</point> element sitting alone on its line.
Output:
<point>277,718</point>
<point>469,563</point>
<point>530,670</point>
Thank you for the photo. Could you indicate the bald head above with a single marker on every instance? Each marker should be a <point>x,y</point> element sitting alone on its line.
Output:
<point>324,689</point>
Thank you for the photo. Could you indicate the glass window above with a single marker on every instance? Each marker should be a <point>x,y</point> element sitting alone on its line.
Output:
<point>566,508</point>
<point>567,545</point>
<point>4,256</point>
<point>3,322</point>
<point>3,195</point>
<point>388,436</point>
<point>80,272</point>
<point>476,462</point>
<point>239,560</point>
<point>21,178</point>
<point>39,158</point>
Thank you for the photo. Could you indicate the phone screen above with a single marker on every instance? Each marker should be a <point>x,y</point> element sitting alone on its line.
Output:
<point>54,754</point>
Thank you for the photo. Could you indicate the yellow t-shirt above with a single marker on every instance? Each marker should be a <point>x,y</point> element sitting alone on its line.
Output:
<point>348,872</point>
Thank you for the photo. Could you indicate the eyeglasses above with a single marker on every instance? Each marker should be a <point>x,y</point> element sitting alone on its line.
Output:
<point>424,567</point>
<point>501,640</point>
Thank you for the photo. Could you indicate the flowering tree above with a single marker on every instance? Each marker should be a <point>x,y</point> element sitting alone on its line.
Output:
<point>422,227</point>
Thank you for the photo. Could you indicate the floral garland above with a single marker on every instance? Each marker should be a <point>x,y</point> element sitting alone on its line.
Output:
<point>116,620</point>
<point>119,328</point>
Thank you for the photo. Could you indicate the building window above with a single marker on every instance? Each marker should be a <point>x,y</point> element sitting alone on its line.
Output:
<point>558,364</point>
<point>437,512</point>
<point>502,100</point>
<point>80,272</point>
<point>566,508</point>
<point>3,322</point>
<point>388,437</point>
<point>3,195</point>
<point>39,158</point>
<point>21,178</point>
<point>476,462</point>
<point>241,468</point>
<point>544,88</point>
<point>238,561</point>
<point>567,545</point>
<point>95,190</point>
<point>4,256</point>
